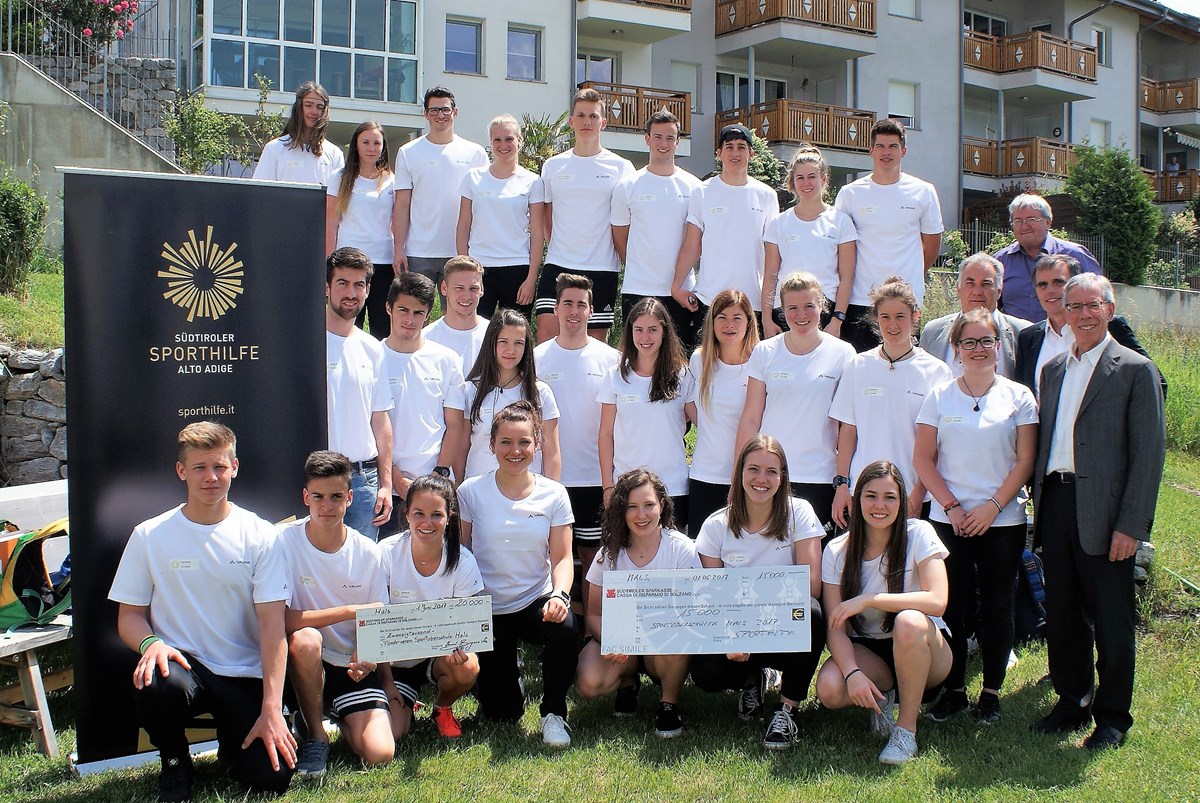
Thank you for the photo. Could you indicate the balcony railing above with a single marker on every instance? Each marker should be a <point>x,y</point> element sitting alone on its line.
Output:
<point>1028,51</point>
<point>1174,186</point>
<point>1031,156</point>
<point>629,107</point>
<point>1171,96</point>
<point>857,16</point>
<point>681,5</point>
<point>795,121</point>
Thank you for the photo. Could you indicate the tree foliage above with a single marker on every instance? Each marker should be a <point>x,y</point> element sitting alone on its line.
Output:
<point>1116,201</point>
<point>22,226</point>
<point>203,136</point>
<point>541,138</point>
<point>764,165</point>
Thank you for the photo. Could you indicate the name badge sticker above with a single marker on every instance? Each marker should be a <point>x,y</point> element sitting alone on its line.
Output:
<point>866,210</point>
<point>305,580</point>
<point>627,399</point>
<point>952,419</point>
<point>565,177</point>
<point>646,198</point>
<point>716,210</point>
<point>552,377</point>
<point>184,565</point>
<point>872,391</point>
<point>784,375</point>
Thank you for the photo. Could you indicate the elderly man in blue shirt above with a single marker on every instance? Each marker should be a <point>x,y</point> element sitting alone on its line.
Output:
<point>1030,217</point>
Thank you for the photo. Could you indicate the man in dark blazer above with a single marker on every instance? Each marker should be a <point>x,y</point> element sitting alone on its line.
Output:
<point>980,280</point>
<point>1101,448</point>
<point>1044,340</point>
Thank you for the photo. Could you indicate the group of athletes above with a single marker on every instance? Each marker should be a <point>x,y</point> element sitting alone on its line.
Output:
<point>824,437</point>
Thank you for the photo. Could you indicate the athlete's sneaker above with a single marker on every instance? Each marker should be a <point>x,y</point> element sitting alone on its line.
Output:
<point>774,679</point>
<point>667,722</point>
<point>175,780</point>
<point>884,722</point>
<point>447,724</point>
<point>750,699</point>
<point>626,702</point>
<point>782,730</point>
<point>901,747</point>
<point>554,731</point>
<point>987,710</point>
<point>312,760</point>
<point>950,703</point>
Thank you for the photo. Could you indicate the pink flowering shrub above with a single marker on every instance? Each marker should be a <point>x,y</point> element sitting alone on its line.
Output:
<point>101,21</point>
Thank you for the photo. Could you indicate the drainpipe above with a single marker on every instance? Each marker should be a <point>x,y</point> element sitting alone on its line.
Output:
<point>1070,115</point>
<point>962,120</point>
<point>1137,94</point>
<point>750,69</point>
<point>573,43</point>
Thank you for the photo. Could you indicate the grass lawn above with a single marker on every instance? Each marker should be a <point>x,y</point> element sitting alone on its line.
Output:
<point>36,321</point>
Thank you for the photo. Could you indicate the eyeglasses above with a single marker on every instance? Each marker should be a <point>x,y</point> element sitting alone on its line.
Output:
<point>970,343</point>
<point>1027,221</point>
<point>1092,306</point>
<point>437,110</point>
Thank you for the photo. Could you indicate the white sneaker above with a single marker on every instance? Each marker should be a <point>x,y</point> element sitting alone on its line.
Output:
<point>883,722</point>
<point>554,731</point>
<point>1012,658</point>
<point>901,747</point>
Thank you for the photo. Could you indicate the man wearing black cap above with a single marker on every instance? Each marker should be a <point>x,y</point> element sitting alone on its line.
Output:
<point>727,216</point>
<point>899,223</point>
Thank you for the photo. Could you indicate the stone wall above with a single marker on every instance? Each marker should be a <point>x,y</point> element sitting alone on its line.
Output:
<point>33,430</point>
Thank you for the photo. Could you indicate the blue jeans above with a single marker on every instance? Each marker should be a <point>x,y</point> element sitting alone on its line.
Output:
<point>365,485</point>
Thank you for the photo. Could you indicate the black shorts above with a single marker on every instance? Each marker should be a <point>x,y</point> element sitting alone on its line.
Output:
<point>500,286</point>
<point>344,696</point>
<point>883,647</point>
<point>604,293</point>
<point>409,680</point>
<point>587,503</point>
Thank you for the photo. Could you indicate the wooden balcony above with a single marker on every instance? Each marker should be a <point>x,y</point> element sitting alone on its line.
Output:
<point>1174,187</point>
<point>679,5</point>
<point>629,107</point>
<point>1031,156</point>
<point>1171,96</point>
<point>1034,50</point>
<point>857,16</point>
<point>795,121</point>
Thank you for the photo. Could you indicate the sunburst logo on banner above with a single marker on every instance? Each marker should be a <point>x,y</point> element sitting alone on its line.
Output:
<point>201,277</point>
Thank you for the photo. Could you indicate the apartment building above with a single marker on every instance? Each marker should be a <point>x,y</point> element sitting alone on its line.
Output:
<point>992,90</point>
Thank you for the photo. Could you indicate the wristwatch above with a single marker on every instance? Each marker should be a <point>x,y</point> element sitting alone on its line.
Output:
<point>443,470</point>
<point>841,316</point>
<point>839,481</point>
<point>564,596</point>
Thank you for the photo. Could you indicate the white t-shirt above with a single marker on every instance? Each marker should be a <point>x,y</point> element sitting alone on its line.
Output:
<point>810,245</point>
<point>278,162</point>
<point>649,433</point>
<point>434,173</point>
<point>576,377</point>
<point>511,539</point>
<point>406,584</point>
<point>465,342</point>
<point>800,390</point>
<point>732,220</point>
<point>716,540</point>
<point>421,384</point>
<point>890,219</point>
<point>367,222</point>
<point>318,580</point>
<point>882,405</point>
<point>923,544</point>
<point>580,189</point>
<point>977,450</point>
<point>655,209</point>
<point>500,215</point>
<point>201,582</point>
<point>717,421</point>
<point>480,459</point>
<point>675,551</point>
<point>356,386</point>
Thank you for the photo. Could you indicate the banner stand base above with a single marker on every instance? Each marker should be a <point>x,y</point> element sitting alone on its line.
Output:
<point>135,760</point>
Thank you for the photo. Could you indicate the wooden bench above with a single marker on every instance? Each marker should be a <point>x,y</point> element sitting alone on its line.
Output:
<point>20,649</point>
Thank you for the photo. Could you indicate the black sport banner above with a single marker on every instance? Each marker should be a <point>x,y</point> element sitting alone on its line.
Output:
<point>187,298</point>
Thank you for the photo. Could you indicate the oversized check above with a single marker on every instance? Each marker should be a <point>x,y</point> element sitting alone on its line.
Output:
<point>424,629</point>
<point>696,611</point>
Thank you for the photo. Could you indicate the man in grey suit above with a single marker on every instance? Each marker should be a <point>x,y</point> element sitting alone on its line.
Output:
<point>1100,458</point>
<point>980,281</point>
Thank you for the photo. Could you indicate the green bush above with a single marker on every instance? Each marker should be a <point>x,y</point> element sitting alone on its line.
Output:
<point>22,226</point>
<point>203,136</point>
<point>1116,201</point>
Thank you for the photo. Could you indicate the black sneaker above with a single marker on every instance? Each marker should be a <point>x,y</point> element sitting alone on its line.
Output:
<point>175,781</point>
<point>626,702</point>
<point>667,722</point>
<point>311,760</point>
<point>750,699</point>
<point>987,710</point>
<point>782,730</point>
<point>950,703</point>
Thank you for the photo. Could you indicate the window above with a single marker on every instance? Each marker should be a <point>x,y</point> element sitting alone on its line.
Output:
<point>262,18</point>
<point>979,22</point>
<point>904,8</point>
<point>369,27</point>
<point>1098,132</point>
<point>264,61</point>
<point>227,16</point>
<point>298,20</point>
<point>403,36</point>
<point>335,24</point>
<point>733,91</point>
<point>464,46</point>
<point>335,72</point>
<point>1101,37</point>
<point>685,77</point>
<point>299,65</point>
<point>603,68</point>
<point>524,54</point>
<point>228,63</point>
<point>902,102</point>
<point>402,81</point>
